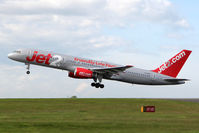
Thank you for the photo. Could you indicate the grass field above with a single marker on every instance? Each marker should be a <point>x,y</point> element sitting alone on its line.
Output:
<point>97,116</point>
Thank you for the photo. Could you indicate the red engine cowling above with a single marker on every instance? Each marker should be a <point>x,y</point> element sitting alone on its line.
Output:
<point>81,73</point>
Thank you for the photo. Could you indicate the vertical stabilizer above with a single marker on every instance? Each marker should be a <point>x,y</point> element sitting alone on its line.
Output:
<point>173,66</point>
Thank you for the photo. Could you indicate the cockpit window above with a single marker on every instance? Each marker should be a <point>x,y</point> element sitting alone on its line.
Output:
<point>17,51</point>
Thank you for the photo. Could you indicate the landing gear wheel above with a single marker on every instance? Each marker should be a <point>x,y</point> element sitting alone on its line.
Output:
<point>93,84</point>
<point>28,72</point>
<point>97,85</point>
<point>101,86</point>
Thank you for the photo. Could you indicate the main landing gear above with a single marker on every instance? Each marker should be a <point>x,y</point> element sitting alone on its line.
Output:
<point>28,67</point>
<point>95,83</point>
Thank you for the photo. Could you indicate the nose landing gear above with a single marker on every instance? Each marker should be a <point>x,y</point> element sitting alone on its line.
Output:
<point>28,67</point>
<point>28,72</point>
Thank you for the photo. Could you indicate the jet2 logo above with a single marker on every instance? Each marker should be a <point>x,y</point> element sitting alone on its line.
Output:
<point>41,58</point>
<point>56,60</point>
<point>46,59</point>
<point>172,61</point>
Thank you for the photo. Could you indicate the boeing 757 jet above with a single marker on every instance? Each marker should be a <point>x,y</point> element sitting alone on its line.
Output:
<point>82,68</point>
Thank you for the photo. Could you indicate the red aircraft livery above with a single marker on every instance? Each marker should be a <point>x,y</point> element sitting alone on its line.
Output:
<point>39,58</point>
<point>94,62</point>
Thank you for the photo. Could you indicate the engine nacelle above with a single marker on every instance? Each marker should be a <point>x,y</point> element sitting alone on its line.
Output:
<point>81,73</point>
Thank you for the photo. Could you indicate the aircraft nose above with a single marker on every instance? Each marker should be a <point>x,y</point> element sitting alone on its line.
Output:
<point>11,55</point>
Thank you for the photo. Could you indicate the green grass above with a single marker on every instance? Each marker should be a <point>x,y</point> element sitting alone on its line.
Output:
<point>97,116</point>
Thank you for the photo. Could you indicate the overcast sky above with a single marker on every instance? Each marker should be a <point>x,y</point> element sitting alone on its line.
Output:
<point>142,33</point>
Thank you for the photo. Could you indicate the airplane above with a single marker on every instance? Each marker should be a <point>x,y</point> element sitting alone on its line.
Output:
<point>82,68</point>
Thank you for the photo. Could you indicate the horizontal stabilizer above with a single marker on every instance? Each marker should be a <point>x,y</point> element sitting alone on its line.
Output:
<point>176,80</point>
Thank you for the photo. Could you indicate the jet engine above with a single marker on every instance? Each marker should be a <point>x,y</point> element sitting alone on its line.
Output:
<point>81,73</point>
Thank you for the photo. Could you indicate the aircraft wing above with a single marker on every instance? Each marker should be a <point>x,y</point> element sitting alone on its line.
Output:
<point>176,80</point>
<point>111,70</point>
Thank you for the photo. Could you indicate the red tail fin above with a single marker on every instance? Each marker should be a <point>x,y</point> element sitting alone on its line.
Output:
<point>173,66</point>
